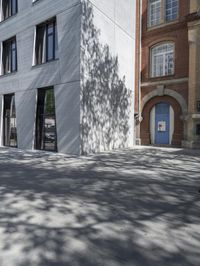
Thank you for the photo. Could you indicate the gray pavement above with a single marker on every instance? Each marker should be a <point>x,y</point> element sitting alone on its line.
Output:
<point>138,207</point>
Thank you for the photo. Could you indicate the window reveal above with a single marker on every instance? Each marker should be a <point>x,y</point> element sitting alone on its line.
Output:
<point>9,56</point>
<point>46,45</point>
<point>9,8</point>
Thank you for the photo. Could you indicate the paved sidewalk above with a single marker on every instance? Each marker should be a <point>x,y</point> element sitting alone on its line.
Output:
<point>137,207</point>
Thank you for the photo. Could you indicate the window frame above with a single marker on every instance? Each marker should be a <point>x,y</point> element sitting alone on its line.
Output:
<point>34,1</point>
<point>163,15</point>
<point>151,65</point>
<point>149,13</point>
<point>8,49</point>
<point>12,115</point>
<point>41,114</point>
<point>53,34</point>
<point>41,57</point>
<point>10,14</point>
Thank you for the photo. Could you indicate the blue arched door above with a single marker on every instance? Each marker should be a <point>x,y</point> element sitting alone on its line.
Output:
<point>162,124</point>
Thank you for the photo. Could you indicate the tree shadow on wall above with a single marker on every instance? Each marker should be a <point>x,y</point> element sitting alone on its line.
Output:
<point>105,100</point>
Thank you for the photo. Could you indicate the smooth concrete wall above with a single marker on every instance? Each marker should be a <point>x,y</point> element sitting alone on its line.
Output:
<point>113,40</point>
<point>63,74</point>
<point>25,118</point>
<point>68,115</point>
<point>122,13</point>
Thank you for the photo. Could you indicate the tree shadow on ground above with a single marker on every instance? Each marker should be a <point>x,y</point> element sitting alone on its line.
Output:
<point>135,207</point>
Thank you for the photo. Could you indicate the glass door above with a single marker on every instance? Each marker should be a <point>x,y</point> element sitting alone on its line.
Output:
<point>10,125</point>
<point>46,138</point>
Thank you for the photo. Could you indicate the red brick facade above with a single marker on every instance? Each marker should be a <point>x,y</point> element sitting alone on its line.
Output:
<point>172,89</point>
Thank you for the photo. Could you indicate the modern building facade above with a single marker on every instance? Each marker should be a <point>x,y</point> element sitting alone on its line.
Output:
<point>169,91</point>
<point>66,74</point>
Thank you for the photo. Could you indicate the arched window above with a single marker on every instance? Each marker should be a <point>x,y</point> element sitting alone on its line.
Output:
<point>161,11</point>
<point>162,60</point>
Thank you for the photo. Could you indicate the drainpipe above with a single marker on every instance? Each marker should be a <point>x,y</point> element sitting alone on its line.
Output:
<point>140,60</point>
<point>139,71</point>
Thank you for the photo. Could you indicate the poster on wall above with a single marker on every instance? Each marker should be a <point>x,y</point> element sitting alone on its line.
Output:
<point>162,126</point>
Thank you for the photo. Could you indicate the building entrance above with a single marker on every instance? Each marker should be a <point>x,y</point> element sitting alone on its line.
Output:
<point>46,137</point>
<point>162,124</point>
<point>10,128</point>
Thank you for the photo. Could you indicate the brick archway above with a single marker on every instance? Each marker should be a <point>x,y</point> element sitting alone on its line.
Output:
<point>145,124</point>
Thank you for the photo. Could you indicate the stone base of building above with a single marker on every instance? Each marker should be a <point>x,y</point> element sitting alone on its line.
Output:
<point>191,144</point>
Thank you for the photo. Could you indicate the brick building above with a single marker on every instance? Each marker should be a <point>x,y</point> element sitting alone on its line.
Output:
<point>169,92</point>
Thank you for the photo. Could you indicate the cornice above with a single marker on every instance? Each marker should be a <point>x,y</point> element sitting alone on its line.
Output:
<point>193,17</point>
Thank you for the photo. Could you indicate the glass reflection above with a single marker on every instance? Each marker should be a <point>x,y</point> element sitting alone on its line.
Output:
<point>46,121</point>
<point>10,127</point>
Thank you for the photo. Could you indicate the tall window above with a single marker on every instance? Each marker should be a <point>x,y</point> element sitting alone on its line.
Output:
<point>162,11</point>
<point>154,12</point>
<point>9,8</point>
<point>10,128</point>
<point>9,56</point>
<point>46,121</point>
<point>46,44</point>
<point>171,10</point>
<point>162,60</point>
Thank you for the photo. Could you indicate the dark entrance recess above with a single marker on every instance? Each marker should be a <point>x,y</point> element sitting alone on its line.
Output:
<point>198,106</point>
<point>198,129</point>
<point>9,125</point>
<point>46,138</point>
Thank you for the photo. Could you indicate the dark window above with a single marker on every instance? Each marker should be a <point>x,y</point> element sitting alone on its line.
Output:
<point>10,128</point>
<point>198,106</point>
<point>198,129</point>
<point>50,42</point>
<point>9,56</point>
<point>46,42</point>
<point>9,8</point>
<point>46,138</point>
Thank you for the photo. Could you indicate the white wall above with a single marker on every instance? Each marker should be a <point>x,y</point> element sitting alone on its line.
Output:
<point>115,21</point>
<point>67,98</point>
<point>63,74</point>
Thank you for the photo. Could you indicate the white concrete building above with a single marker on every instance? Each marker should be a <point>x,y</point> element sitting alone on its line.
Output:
<point>67,74</point>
